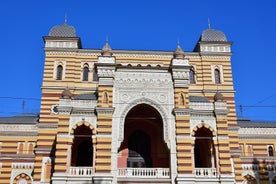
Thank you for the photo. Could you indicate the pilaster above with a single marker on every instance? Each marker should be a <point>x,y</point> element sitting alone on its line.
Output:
<point>221,141</point>
<point>106,71</point>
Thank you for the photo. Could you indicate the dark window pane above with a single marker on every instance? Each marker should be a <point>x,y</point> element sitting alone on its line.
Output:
<point>192,77</point>
<point>217,76</point>
<point>85,74</point>
<point>59,72</point>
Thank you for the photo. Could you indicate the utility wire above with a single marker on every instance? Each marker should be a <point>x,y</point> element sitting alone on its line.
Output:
<point>18,98</point>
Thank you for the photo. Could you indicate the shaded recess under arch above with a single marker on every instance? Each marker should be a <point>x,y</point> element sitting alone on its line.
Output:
<point>143,144</point>
<point>82,149</point>
<point>204,150</point>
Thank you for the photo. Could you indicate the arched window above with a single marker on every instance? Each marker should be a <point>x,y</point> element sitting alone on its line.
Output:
<point>242,149</point>
<point>85,73</point>
<point>249,150</point>
<point>192,76</point>
<point>270,151</point>
<point>181,99</point>
<point>95,75</point>
<point>217,76</point>
<point>105,98</point>
<point>59,72</point>
<point>31,148</point>
<point>20,148</point>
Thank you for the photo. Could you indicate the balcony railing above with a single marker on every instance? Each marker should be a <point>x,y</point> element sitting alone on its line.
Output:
<point>144,172</point>
<point>81,171</point>
<point>205,172</point>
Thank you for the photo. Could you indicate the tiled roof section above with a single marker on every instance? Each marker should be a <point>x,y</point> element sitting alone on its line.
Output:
<point>198,99</point>
<point>212,35</point>
<point>246,123</point>
<point>63,30</point>
<point>24,119</point>
<point>86,97</point>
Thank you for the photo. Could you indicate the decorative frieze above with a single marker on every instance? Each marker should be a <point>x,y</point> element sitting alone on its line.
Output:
<point>61,44</point>
<point>18,128</point>
<point>105,110</point>
<point>215,48</point>
<point>257,133</point>
<point>182,112</point>
<point>201,106</point>
<point>106,60</point>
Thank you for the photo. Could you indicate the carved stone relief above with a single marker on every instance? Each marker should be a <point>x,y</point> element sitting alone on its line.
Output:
<point>152,88</point>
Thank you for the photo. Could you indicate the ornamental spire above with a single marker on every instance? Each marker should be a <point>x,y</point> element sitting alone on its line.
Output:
<point>106,50</point>
<point>178,53</point>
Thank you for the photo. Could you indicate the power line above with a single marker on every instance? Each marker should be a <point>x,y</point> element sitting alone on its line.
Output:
<point>19,98</point>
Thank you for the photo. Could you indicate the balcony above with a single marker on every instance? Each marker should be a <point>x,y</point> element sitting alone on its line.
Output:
<point>81,171</point>
<point>205,172</point>
<point>143,173</point>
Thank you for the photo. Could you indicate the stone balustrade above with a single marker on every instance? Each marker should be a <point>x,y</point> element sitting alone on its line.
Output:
<point>81,171</point>
<point>205,172</point>
<point>144,172</point>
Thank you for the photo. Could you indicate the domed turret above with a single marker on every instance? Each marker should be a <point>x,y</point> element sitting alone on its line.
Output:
<point>62,36</point>
<point>212,35</point>
<point>63,30</point>
<point>212,40</point>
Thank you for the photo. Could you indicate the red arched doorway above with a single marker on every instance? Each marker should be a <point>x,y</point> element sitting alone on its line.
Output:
<point>143,144</point>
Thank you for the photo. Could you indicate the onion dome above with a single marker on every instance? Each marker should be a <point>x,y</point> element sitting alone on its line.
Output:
<point>66,93</point>
<point>178,53</point>
<point>218,97</point>
<point>212,35</point>
<point>106,50</point>
<point>63,30</point>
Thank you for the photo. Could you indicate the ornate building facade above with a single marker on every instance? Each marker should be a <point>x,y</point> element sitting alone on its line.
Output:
<point>124,116</point>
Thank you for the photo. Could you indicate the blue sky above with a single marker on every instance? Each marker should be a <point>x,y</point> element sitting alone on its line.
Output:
<point>140,25</point>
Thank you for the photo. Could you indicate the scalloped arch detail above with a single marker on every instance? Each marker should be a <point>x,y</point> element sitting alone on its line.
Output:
<point>203,125</point>
<point>85,123</point>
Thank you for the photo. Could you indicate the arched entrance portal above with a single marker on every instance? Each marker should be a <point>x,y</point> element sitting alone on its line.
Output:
<point>143,144</point>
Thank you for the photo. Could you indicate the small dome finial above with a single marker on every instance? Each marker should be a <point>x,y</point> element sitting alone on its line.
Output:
<point>106,39</point>
<point>106,50</point>
<point>178,53</point>
<point>65,18</point>
<point>209,23</point>
<point>66,94</point>
<point>218,97</point>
